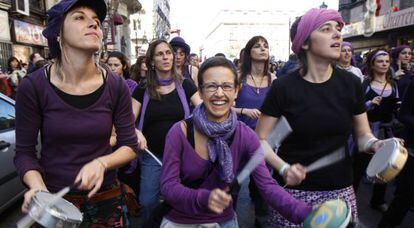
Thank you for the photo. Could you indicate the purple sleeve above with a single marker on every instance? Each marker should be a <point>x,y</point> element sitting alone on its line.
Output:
<point>292,209</point>
<point>187,200</point>
<point>369,105</point>
<point>124,121</point>
<point>407,107</point>
<point>28,120</point>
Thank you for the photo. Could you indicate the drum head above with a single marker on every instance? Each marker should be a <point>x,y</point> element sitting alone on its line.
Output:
<point>332,213</point>
<point>382,157</point>
<point>63,209</point>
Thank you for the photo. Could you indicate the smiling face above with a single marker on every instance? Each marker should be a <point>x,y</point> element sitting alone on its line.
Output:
<point>260,51</point>
<point>218,103</point>
<point>81,30</point>
<point>163,58</point>
<point>381,65</point>
<point>405,55</point>
<point>326,41</point>
<point>115,65</point>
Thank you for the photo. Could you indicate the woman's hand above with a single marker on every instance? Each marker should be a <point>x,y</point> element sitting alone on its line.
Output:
<point>252,113</point>
<point>377,100</point>
<point>294,175</point>
<point>218,200</point>
<point>28,197</point>
<point>142,142</point>
<point>91,176</point>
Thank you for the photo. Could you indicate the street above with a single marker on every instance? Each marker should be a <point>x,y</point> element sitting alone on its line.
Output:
<point>369,217</point>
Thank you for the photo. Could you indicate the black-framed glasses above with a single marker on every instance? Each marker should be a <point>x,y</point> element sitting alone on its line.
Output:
<point>213,87</point>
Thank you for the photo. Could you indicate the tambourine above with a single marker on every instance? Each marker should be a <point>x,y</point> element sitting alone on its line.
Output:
<point>387,162</point>
<point>332,213</point>
<point>62,214</point>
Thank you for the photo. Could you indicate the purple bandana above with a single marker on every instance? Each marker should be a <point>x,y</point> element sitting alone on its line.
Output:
<point>380,52</point>
<point>310,21</point>
<point>217,134</point>
<point>165,82</point>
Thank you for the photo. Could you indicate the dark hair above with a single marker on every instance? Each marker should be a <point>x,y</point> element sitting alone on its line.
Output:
<point>216,62</point>
<point>152,83</point>
<point>369,63</point>
<point>192,55</point>
<point>246,63</point>
<point>220,55</point>
<point>11,59</point>
<point>303,60</point>
<point>136,69</point>
<point>32,56</point>
<point>124,61</point>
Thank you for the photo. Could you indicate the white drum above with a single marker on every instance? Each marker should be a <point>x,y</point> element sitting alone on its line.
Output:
<point>62,214</point>
<point>387,162</point>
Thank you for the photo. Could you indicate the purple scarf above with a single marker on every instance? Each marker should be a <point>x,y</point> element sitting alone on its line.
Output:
<point>131,85</point>
<point>217,134</point>
<point>181,94</point>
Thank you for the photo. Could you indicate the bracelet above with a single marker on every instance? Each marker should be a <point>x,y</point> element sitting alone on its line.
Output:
<point>100,162</point>
<point>241,112</point>
<point>283,170</point>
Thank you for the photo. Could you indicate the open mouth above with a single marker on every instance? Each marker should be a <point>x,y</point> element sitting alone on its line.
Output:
<point>336,45</point>
<point>219,103</point>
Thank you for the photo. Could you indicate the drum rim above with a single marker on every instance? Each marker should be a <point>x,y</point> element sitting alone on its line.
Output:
<point>55,213</point>
<point>393,156</point>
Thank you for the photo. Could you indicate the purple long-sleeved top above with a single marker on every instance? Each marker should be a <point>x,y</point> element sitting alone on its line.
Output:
<point>183,164</point>
<point>71,137</point>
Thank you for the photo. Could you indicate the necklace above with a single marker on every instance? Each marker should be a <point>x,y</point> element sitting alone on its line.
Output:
<point>255,85</point>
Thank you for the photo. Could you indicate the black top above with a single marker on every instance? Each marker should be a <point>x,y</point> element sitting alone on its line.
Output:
<point>320,115</point>
<point>407,115</point>
<point>384,111</point>
<point>162,114</point>
<point>78,101</point>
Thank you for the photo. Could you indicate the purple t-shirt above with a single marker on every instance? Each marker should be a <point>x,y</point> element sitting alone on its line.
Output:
<point>183,164</point>
<point>71,137</point>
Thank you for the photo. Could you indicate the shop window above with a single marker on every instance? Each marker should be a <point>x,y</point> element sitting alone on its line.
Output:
<point>5,53</point>
<point>37,6</point>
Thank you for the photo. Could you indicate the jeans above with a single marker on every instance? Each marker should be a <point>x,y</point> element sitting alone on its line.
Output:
<point>149,194</point>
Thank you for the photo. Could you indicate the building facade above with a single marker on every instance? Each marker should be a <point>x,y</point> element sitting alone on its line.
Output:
<point>378,23</point>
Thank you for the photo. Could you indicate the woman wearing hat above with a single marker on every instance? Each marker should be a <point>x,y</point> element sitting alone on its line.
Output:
<point>181,53</point>
<point>323,104</point>
<point>401,57</point>
<point>165,100</point>
<point>74,103</point>
<point>345,60</point>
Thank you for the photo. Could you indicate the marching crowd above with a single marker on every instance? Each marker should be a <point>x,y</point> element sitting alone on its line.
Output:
<point>174,133</point>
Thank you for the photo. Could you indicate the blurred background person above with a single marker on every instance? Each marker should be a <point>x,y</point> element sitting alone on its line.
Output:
<point>346,62</point>
<point>194,60</point>
<point>139,71</point>
<point>16,72</point>
<point>181,53</point>
<point>119,64</point>
<point>401,57</point>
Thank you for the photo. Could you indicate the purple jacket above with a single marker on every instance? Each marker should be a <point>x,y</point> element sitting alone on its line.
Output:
<point>183,164</point>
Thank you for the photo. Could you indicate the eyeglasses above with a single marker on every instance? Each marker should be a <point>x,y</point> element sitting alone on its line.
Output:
<point>213,87</point>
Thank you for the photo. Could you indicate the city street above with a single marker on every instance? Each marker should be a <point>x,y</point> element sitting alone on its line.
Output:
<point>368,216</point>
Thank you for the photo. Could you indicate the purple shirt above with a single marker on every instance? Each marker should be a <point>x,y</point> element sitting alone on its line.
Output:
<point>190,206</point>
<point>71,137</point>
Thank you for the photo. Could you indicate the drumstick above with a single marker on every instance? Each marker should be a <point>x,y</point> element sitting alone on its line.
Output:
<point>326,160</point>
<point>279,133</point>
<point>28,220</point>
<point>251,165</point>
<point>153,156</point>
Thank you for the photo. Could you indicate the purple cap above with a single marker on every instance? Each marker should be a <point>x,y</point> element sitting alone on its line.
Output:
<point>180,42</point>
<point>55,16</point>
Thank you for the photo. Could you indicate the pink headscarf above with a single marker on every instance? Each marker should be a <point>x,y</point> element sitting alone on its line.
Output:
<point>310,21</point>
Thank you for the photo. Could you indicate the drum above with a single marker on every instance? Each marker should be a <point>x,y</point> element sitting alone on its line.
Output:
<point>332,213</point>
<point>387,162</point>
<point>63,214</point>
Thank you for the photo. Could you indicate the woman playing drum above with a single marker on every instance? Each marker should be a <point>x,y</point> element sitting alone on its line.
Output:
<point>322,103</point>
<point>74,103</point>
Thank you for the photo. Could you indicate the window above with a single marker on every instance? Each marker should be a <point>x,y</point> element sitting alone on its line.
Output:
<point>7,115</point>
<point>37,5</point>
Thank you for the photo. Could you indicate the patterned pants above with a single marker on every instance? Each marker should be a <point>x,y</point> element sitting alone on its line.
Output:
<point>313,198</point>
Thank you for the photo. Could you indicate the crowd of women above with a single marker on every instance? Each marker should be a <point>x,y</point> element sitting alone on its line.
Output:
<point>178,133</point>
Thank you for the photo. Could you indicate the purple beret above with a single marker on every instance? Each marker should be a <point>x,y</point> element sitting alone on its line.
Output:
<point>56,14</point>
<point>180,42</point>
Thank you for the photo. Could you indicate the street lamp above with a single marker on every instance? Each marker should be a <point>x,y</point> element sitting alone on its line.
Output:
<point>323,6</point>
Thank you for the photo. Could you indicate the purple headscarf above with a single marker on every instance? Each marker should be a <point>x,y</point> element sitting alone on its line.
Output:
<point>217,134</point>
<point>347,44</point>
<point>310,21</point>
